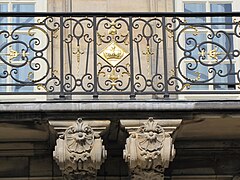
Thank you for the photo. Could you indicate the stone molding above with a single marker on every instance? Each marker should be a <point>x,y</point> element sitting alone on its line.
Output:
<point>79,152</point>
<point>149,149</point>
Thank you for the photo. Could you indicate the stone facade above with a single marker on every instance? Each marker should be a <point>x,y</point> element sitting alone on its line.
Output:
<point>116,140</point>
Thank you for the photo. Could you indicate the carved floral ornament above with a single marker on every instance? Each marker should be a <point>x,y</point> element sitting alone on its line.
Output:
<point>79,152</point>
<point>148,151</point>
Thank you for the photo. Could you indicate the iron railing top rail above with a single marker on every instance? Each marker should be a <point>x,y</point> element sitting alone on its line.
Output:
<point>119,56</point>
<point>117,14</point>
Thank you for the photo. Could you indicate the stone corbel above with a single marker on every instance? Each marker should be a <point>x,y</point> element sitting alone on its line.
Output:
<point>79,151</point>
<point>149,149</point>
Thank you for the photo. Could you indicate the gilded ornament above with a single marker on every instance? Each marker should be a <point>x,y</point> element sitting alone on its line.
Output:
<point>170,32</point>
<point>30,33</point>
<point>30,75</point>
<point>188,86</point>
<point>100,36</point>
<point>148,55</point>
<point>39,86</point>
<point>113,77</point>
<point>195,33</point>
<point>212,53</point>
<point>113,54</point>
<point>12,54</point>
<point>78,53</point>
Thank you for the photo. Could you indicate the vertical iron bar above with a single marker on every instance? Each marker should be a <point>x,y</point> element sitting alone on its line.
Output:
<point>174,51</point>
<point>95,93</point>
<point>86,70</point>
<point>132,95</point>
<point>52,56</point>
<point>166,93</point>
<point>61,96</point>
<point>139,59</point>
<point>157,58</point>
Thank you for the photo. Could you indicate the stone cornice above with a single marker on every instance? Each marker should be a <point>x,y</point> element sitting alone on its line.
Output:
<point>121,109</point>
<point>113,105</point>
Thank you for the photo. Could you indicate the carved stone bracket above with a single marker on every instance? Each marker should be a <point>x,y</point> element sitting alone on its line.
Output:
<point>79,152</point>
<point>149,150</point>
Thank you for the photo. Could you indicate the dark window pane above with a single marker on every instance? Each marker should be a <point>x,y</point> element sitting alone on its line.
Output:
<point>2,80</point>
<point>225,76</point>
<point>3,8</point>
<point>191,39</point>
<point>221,8</point>
<point>226,42</point>
<point>24,74</point>
<point>198,74</point>
<point>195,7</point>
<point>23,8</point>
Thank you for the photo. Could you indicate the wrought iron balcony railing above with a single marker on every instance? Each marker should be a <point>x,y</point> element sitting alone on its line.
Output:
<point>129,54</point>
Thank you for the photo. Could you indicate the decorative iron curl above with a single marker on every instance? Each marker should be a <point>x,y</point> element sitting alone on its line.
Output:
<point>52,83</point>
<point>50,24</point>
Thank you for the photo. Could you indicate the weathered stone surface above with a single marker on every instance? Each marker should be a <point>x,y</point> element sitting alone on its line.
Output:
<point>79,152</point>
<point>14,167</point>
<point>40,166</point>
<point>148,151</point>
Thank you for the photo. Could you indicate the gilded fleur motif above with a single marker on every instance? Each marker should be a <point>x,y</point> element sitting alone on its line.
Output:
<point>113,54</point>
<point>12,54</point>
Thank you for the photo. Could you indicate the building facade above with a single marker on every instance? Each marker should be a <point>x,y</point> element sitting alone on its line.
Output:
<point>99,89</point>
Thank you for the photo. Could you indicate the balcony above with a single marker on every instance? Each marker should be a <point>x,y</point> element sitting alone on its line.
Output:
<point>120,55</point>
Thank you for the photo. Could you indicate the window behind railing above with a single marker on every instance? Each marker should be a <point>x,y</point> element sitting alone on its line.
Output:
<point>114,56</point>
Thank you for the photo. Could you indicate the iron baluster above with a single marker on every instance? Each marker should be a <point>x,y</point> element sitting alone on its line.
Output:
<point>132,95</point>
<point>166,93</point>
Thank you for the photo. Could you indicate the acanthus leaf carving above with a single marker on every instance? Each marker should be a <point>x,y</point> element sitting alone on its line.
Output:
<point>79,152</point>
<point>148,151</point>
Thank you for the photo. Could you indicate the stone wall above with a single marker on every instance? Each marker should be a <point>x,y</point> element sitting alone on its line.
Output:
<point>110,5</point>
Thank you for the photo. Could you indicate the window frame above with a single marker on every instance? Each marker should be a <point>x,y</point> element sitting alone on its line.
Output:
<point>39,6</point>
<point>179,7</point>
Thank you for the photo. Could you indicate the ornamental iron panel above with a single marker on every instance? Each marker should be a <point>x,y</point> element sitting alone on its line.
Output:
<point>128,54</point>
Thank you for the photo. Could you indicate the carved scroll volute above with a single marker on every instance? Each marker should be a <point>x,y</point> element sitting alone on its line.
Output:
<point>148,151</point>
<point>79,152</point>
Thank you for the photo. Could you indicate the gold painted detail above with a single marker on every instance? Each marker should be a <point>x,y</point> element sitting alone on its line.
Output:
<point>125,36</point>
<point>39,21</point>
<point>236,21</point>
<point>112,31</point>
<point>188,86</point>
<point>55,33</point>
<point>12,54</point>
<point>100,36</point>
<point>39,86</point>
<point>113,54</point>
<point>55,72</point>
<point>212,53</point>
<point>31,33</point>
<point>170,32</point>
<point>100,70</point>
<point>30,75</point>
<point>148,55</point>
<point>197,78</point>
<point>78,53</point>
<point>113,77</point>
<point>195,33</point>
<point>172,72</point>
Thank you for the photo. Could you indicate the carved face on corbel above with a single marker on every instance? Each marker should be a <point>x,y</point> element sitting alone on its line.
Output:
<point>79,137</point>
<point>150,136</point>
